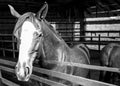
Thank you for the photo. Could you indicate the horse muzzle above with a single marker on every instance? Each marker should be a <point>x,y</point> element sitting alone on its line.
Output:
<point>23,74</point>
<point>22,78</point>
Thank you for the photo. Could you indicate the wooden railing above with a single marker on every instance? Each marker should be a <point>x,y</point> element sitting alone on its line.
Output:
<point>74,79</point>
<point>10,46</point>
<point>5,66</point>
<point>6,82</point>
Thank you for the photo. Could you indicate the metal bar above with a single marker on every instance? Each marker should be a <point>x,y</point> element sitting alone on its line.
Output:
<point>86,66</point>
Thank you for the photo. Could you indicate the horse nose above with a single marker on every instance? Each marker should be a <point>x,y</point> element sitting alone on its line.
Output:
<point>24,74</point>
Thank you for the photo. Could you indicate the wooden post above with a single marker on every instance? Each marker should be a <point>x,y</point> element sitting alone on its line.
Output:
<point>1,84</point>
<point>99,43</point>
<point>13,46</point>
<point>91,37</point>
<point>3,53</point>
<point>3,47</point>
<point>82,25</point>
<point>0,74</point>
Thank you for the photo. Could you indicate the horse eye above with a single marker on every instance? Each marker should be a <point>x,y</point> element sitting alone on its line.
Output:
<point>40,34</point>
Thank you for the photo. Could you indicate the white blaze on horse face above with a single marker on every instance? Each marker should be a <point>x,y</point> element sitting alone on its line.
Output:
<point>28,30</point>
<point>25,61</point>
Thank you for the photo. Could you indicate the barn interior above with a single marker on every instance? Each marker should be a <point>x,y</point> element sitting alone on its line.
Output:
<point>81,14</point>
<point>77,21</point>
<point>92,22</point>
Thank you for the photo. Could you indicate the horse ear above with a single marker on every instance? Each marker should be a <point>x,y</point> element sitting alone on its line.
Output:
<point>14,12</point>
<point>43,11</point>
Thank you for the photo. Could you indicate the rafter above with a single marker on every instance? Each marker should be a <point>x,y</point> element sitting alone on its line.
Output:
<point>100,5</point>
<point>117,2</point>
<point>87,11</point>
<point>111,4</point>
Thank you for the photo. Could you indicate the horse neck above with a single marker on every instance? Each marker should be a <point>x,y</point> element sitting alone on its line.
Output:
<point>52,41</point>
<point>50,49</point>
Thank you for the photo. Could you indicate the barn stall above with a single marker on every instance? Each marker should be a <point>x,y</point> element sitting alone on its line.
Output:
<point>94,23</point>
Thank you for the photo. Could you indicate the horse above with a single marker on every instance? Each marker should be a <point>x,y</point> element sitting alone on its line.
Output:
<point>110,57</point>
<point>36,38</point>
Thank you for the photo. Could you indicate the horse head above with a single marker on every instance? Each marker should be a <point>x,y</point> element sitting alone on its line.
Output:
<point>28,31</point>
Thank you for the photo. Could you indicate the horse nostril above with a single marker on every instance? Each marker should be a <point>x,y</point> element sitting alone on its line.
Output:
<point>27,70</point>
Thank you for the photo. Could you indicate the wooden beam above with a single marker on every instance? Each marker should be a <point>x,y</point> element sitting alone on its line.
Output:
<point>75,79</point>
<point>1,84</point>
<point>86,66</point>
<point>87,11</point>
<point>100,5</point>
<point>71,78</point>
<point>6,82</point>
<point>110,4</point>
<point>40,79</point>
<point>46,81</point>
<point>9,83</point>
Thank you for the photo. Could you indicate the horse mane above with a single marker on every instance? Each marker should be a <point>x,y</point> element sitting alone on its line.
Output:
<point>51,28</point>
